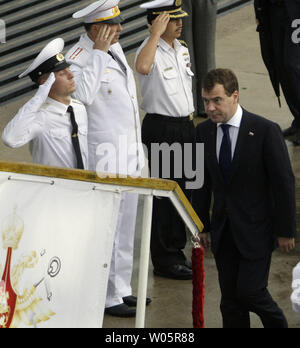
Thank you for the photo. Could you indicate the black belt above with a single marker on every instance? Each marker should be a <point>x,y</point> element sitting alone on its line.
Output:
<point>177,119</point>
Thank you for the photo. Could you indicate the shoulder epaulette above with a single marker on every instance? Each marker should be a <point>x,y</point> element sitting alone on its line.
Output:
<point>75,53</point>
<point>183,43</point>
<point>76,101</point>
<point>44,106</point>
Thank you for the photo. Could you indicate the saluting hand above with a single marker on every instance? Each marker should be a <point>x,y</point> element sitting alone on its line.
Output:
<point>45,87</point>
<point>104,38</point>
<point>146,57</point>
<point>159,25</point>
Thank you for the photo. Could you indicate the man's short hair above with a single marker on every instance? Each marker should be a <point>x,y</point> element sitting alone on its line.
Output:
<point>150,18</point>
<point>87,26</point>
<point>224,77</point>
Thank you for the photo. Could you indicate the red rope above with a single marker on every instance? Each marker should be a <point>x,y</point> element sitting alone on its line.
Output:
<point>198,287</point>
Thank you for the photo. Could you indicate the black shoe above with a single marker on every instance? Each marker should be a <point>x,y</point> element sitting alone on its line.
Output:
<point>296,139</point>
<point>290,131</point>
<point>188,264</point>
<point>131,301</point>
<point>179,272</point>
<point>121,311</point>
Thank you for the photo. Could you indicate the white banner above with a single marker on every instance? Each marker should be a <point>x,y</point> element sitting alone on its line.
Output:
<point>55,250</point>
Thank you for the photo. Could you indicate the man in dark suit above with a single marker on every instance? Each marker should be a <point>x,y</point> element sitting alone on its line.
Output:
<point>248,171</point>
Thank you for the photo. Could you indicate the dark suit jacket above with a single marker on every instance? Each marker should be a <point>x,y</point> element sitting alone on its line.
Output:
<point>259,199</point>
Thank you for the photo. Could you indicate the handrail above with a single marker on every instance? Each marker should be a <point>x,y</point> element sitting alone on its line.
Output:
<point>153,184</point>
<point>44,175</point>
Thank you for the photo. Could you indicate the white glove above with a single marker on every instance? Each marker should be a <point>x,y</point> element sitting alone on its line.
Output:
<point>44,89</point>
<point>295,297</point>
<point>41,95</point>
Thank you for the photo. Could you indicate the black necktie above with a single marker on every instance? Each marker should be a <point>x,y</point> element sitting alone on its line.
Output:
<point>109,52</point>
<point>75,140</point>
<point>225,152</point>
<point>121,65</point>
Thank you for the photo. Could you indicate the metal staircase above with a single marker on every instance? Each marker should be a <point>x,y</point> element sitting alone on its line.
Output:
<point>31,24</point>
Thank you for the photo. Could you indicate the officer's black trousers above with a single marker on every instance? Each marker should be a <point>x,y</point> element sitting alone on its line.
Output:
<point>286,58</point>
<point>243,284</point>
<point>168,237</point>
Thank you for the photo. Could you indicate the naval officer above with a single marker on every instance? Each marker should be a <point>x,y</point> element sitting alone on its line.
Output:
<point>52,122</point>
<point>106,85</point>
<point>165,76</point>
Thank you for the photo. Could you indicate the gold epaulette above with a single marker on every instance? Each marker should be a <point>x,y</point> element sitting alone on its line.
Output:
<point>76,101</point>
<point>183,43</point>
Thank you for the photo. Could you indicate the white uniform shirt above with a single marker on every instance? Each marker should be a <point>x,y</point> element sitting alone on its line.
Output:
<point>295,297</point>
<point>235,123</point>
<point>167,89</point>
<point>49,132</point>
<point>110,96</point>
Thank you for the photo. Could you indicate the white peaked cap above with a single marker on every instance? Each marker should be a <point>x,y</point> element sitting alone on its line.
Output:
<point>172,7</point>
<point>50,59</point>
<point>100,11</point>
<point>157,4</point>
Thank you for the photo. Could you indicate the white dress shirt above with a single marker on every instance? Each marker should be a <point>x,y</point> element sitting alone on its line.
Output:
<point>295,297</point>
<point>235,123</point>
<point>49,132</point>
<point>167,89</point>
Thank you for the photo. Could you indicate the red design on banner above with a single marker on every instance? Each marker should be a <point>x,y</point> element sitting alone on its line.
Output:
<point>8,297</point>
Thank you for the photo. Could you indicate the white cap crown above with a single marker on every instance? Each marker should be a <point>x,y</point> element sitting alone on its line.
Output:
<point>99,11</point>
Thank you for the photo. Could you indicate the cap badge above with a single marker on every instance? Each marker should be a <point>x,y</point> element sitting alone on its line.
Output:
<point>178,2</point>
<point>60,57</point>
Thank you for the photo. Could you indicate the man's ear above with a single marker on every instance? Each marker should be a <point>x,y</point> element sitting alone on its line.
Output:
<point>236,96</point>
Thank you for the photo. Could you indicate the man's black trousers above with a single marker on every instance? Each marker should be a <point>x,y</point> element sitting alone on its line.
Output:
<point>243,285</point>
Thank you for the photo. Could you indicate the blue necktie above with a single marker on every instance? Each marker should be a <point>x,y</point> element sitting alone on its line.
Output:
<point>225,153</point>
